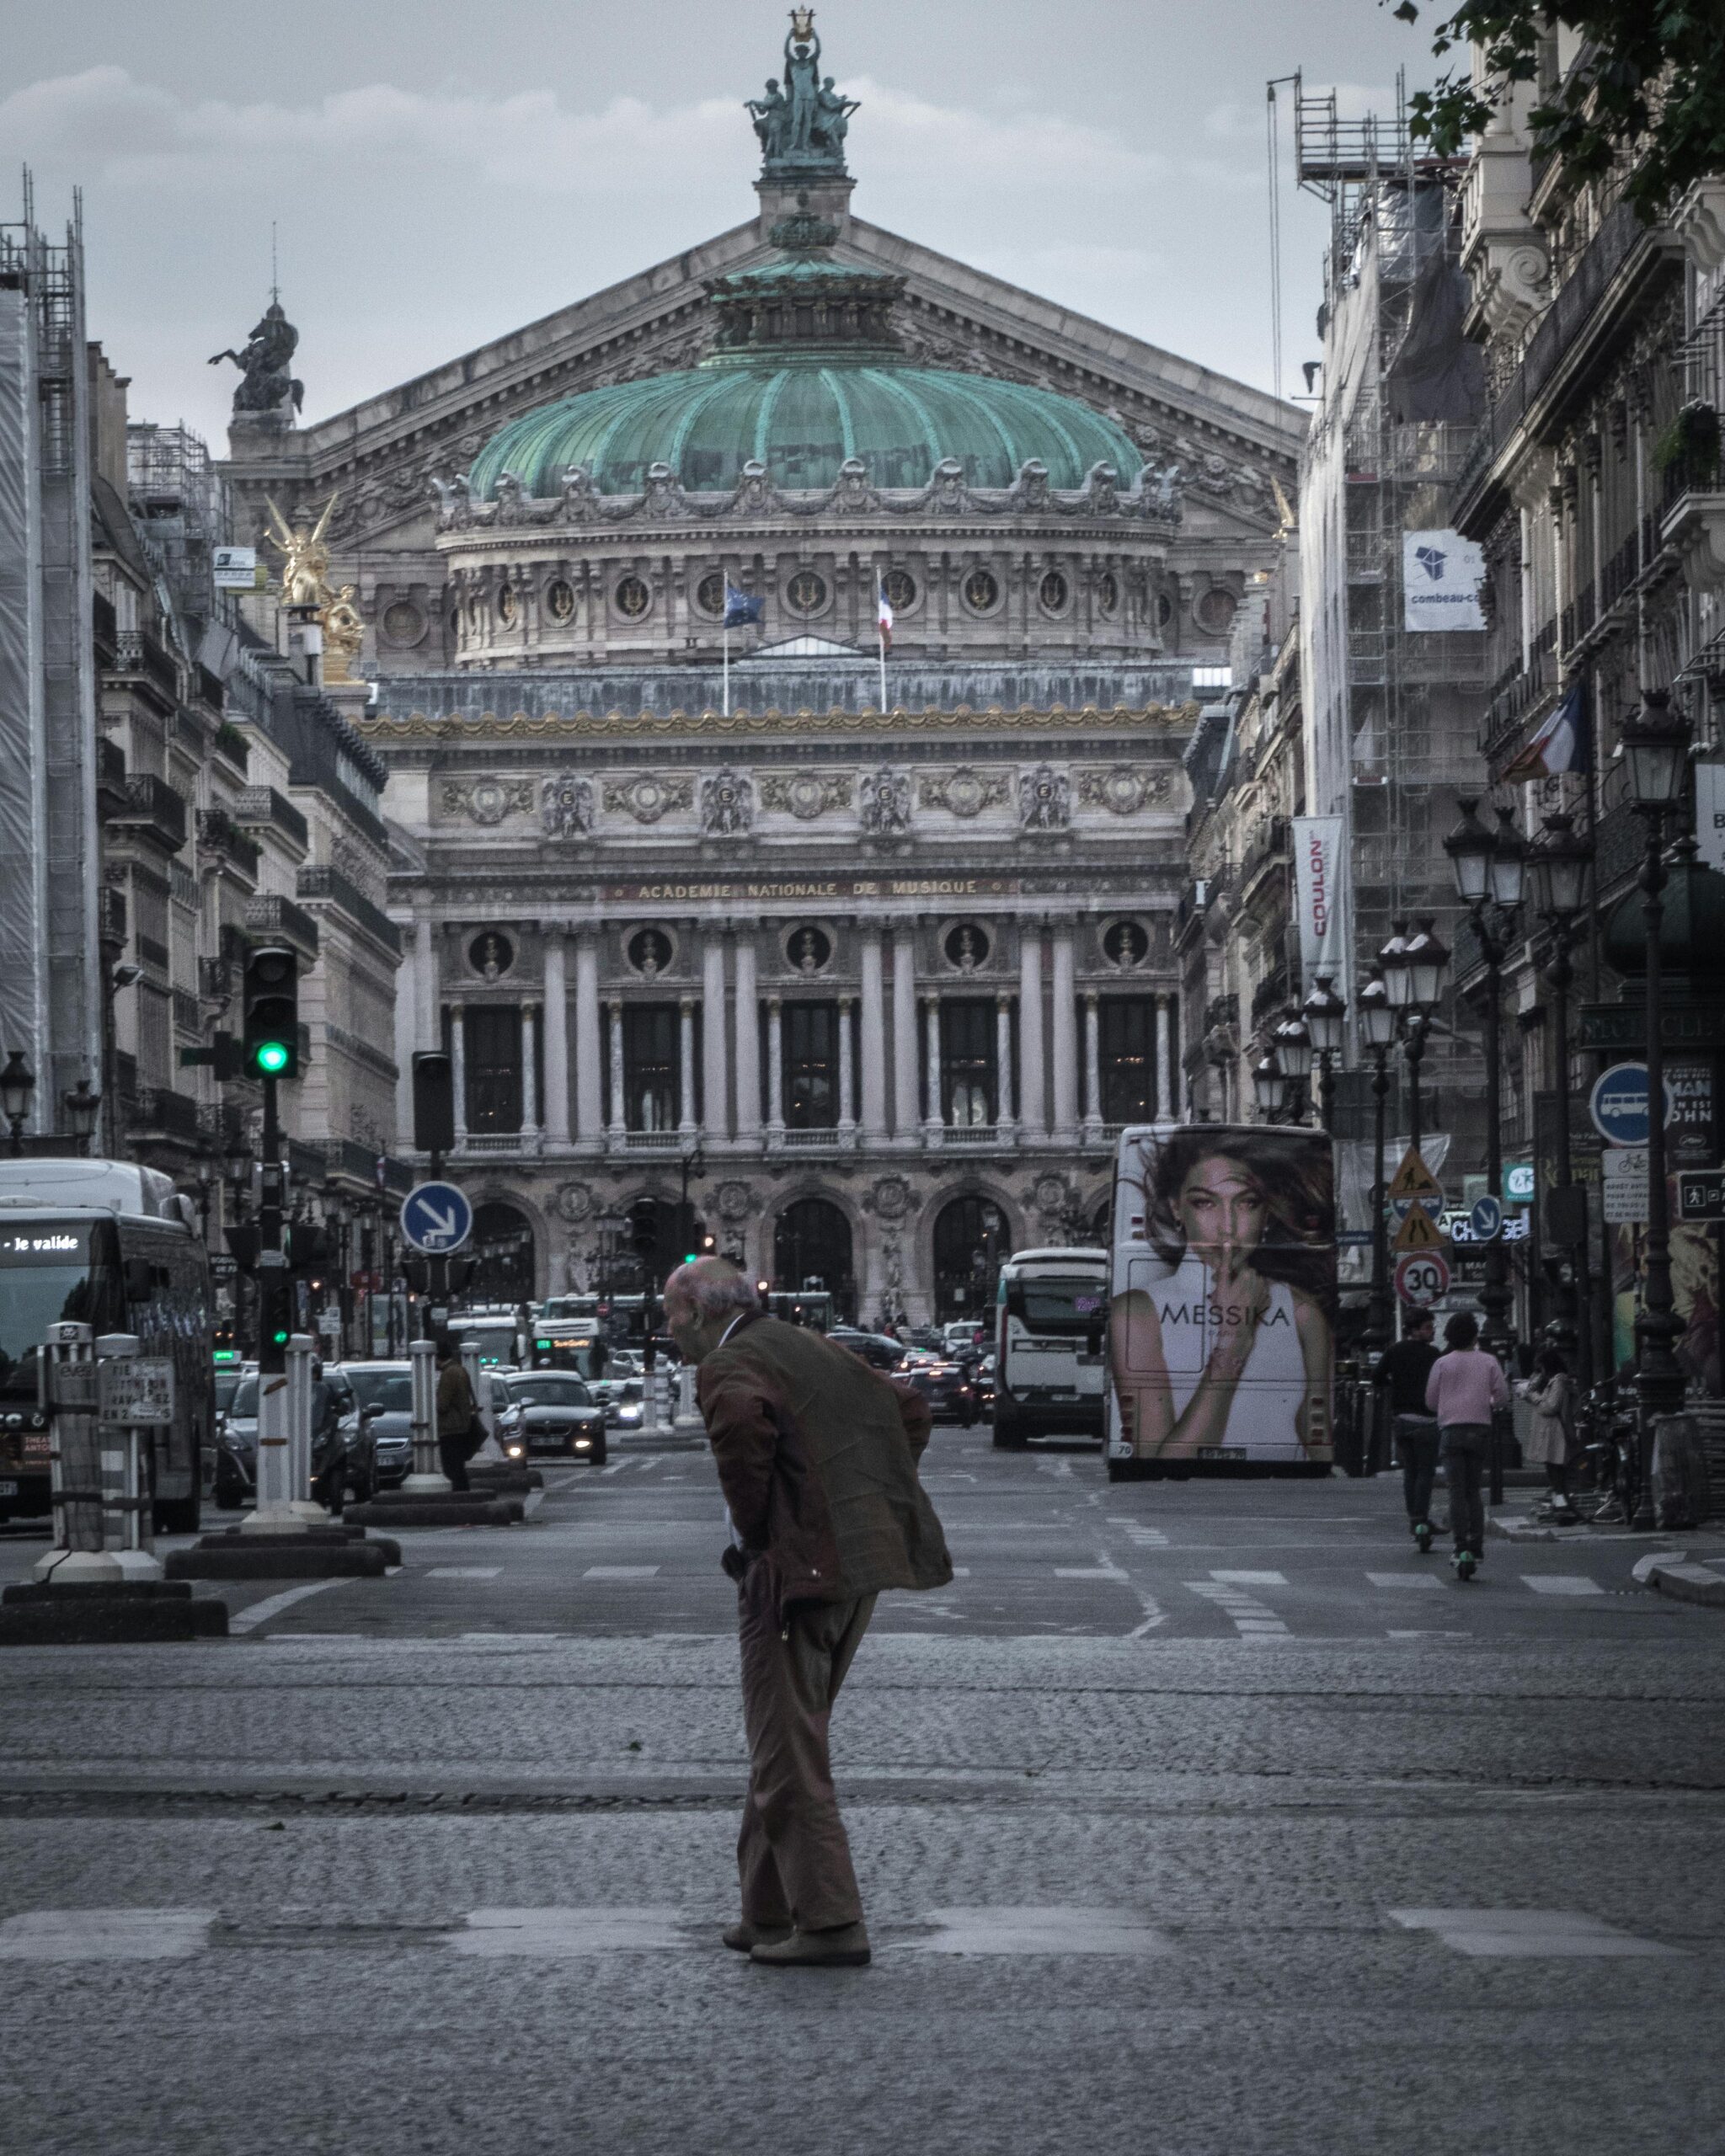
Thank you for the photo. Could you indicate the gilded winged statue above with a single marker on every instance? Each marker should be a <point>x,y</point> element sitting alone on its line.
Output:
<point>305,556</point>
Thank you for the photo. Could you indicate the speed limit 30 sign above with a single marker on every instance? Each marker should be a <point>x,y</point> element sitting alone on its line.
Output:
<point>1422,1278</point>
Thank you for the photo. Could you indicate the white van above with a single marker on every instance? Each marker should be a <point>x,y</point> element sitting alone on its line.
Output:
<point>1051,1320</point>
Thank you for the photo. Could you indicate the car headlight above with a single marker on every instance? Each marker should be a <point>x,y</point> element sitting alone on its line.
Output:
<point>584,1444</point>
<point>514,1449</point>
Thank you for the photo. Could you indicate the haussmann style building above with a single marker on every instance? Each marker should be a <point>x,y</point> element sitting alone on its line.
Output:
<point>868,956</point>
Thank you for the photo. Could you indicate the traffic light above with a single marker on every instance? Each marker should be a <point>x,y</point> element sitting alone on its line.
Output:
<point>701,1243</point>
<point>269,1045</point>
<point>434,1102</point>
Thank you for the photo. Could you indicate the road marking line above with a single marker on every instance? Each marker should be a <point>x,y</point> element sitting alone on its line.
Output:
<point>559,1934</point>
<point>1561,1583</point>
<point>272,1605</point>
<point>463,1571</point>
<point>104,1934</point>
<point>1250,1579</point>
<point>1041,1931</point>
<point>961,1571</point>
<point>1088,1572</point>
<point>1527,1933</point>
<point>620,1573</point>
<point>1405,1579</point>
<point>1427,1635</point>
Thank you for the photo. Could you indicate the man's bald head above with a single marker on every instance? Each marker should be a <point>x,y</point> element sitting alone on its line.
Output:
<point>702,1301</point>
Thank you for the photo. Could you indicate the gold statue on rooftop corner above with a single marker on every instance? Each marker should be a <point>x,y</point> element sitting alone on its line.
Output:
<point>305,556</point>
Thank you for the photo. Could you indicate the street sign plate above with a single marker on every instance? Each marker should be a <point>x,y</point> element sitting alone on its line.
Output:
<point>436,1217</point>
<point>1618,1104</point>
<point>1485,1217</point>
<point>1346,1239</point>
<point>1418,1232</point>
<point>1414,1179</point>
<point>1700,1194</point>
<point>135,1389</point>
<point>1517,1183</point>
<point>1422,1278</point>
<point>1626,1185</point>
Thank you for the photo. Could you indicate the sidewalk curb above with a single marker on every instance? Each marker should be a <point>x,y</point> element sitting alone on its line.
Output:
<point>1681,1581</point>
<point>1517,1528</point>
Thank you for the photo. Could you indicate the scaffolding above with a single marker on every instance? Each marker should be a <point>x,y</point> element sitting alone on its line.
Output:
<point>179,505</point>
<point>1393,714</point>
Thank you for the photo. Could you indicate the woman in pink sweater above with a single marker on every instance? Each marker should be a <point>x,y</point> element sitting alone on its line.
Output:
<point>1464,1391</point>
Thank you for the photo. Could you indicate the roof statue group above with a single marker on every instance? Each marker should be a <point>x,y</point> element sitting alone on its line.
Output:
<point>803,125</point>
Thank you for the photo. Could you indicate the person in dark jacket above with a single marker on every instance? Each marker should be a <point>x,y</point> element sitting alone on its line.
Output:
<point>1403,1372</point>
<point>456,1414</point>
<point>817,1458</point>
<point>329,1446</point>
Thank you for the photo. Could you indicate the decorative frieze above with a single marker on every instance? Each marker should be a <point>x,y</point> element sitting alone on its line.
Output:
<point>806,795</point>
<point>487,801</point>
<point>964,792</point>
<point>648,797</point>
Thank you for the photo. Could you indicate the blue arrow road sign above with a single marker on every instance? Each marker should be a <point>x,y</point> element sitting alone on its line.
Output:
<point>436,1217</point>
<point>1485,1217</point>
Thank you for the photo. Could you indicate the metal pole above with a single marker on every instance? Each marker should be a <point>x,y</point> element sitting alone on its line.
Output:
<point>274,1513</point>
<point>1561,973</point>
<point>1659,1379</point>
<point>1378,1332</point>
<point>1414,1050</point>
<point>428,1478</point>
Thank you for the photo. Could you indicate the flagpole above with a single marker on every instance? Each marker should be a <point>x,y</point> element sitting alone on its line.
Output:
<point>880,636</point>
<point>727,673</point>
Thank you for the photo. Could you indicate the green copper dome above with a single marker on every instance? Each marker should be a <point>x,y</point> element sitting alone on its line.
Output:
<point>802,415</point>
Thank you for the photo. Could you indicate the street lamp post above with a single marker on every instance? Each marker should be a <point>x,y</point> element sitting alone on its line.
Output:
<point>1655,742</point>
<point>18,1088</point>
<point>1325,1017</point>
<point>1377,1028</point>
<point>83,1110</point>
<point>1291,1041</point>
<point>1560,864</point>
<point>1270,1086</point>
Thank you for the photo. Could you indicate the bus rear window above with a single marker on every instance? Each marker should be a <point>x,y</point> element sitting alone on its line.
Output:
<point>1051,1304</point>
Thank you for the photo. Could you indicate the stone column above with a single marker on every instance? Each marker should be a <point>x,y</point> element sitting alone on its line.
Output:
<point>1003,1065</point>
<point>407,1035</point>
<point>618,1123</point>
<point>714,1077</point>
<point>686,1065</point>
<point>775,1067</point>
<point>590,1111</point>
<point>557,1039</point>
<point>905,1118</point>
<point>930,1006</point>
<point>458,1068</point>
<point>1066,1033</point>
<point>1164,1103</point>
<point>1092,1067</point>
<point>873,1044</point>
<point>847,1104</point>
<point>748,1038</point>
<point>1032,1094</point>
<point>530,1076</point>
<point>429,1034</point>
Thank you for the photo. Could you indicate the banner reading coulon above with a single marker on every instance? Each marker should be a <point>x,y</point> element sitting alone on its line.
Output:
<point>1319,897</point>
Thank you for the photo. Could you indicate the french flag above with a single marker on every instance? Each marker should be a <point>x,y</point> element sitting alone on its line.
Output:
<point>1560,745</point>
<point>884,616</point>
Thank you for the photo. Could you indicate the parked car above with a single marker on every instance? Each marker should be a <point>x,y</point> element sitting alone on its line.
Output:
<point>236,1478</point>
<point>879,1350</point>
<point>537,1411</point>
<point>952,1397</point>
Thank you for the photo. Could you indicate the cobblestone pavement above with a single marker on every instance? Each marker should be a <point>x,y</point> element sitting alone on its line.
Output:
<point>1192,1817</point>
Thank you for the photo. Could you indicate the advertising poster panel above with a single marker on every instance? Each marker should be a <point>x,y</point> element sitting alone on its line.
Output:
<point>1223,1295</point>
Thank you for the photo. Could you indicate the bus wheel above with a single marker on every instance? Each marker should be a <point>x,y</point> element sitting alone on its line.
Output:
<point>1009,1437</point>
<point>178,1515</point>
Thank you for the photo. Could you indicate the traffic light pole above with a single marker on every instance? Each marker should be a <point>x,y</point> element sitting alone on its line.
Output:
<point>275,1511</point>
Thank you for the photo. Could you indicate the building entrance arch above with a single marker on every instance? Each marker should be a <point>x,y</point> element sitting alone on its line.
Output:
<point>971,1239</point>
<point>811,1248</point>
<point>502,1250</point>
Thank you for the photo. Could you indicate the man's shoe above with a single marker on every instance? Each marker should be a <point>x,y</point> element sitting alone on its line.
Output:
<point>846,1946</point>
<point>743,1938</point>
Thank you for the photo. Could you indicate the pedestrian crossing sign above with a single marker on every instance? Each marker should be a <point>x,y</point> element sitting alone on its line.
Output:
<point>1418,1232</point>
<point>1413,1179</point>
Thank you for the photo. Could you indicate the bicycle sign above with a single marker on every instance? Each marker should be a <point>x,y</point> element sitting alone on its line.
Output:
<point>1422,1278</point>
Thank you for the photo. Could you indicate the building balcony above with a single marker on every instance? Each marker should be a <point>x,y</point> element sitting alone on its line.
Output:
<point>263,808</point>
<point>220,836</point>
<point>160,1116</point>
<point>268,915</point>
<point>152,809</point>
<point>329,887</point>
<point>1694,529</point>
<point>143,660</point>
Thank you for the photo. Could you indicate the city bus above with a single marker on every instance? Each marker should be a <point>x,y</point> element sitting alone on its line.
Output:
<point>1222,1302</point>
<point>1050,1316</point>
<point>113,1245</point>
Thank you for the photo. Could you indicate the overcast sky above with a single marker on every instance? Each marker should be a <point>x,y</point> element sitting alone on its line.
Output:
<point>442,172</point>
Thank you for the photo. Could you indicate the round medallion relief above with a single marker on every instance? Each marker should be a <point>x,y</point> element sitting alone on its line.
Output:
<point>806,592</point>
<point>491,955</point>
<point>560,600</point>
<point>982,591</point>
<point>1164,609</point>
<point>507,606</point>
<point>1216,610</point>
<point>404,622</point>
<point>901,589</point>
<point>632,598</point>
<point>709,595</point>
<point>1052,592</point>
<point>809,948</point>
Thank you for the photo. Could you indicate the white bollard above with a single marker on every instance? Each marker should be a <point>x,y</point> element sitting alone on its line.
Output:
<point>428,1478</point>
<point>128,1534</point>
<point>69,1393</point>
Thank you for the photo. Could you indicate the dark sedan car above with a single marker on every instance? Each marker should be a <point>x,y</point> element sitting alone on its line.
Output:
<point>379,1427</point>
<point>536,1411</point>
<point>879,1350</point>
<point>951,1394</point>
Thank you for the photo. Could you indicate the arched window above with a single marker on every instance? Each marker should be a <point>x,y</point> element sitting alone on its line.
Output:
<point>502,1247</point>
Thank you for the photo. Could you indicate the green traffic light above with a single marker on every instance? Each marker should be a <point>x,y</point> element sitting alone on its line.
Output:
<point>279,1336</point>
<point>273,1058</point>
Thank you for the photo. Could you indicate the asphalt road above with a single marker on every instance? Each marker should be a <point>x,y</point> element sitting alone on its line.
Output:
<point>1192,1818</point>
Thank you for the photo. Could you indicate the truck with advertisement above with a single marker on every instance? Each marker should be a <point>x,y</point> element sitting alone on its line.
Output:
<point>1222,1302</point>
<point>1051,1311</point>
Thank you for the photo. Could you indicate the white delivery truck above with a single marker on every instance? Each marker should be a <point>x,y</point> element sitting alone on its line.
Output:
<point>1050,1322</point>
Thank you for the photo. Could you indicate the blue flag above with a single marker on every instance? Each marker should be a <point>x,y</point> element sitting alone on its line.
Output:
<point>741,608</point>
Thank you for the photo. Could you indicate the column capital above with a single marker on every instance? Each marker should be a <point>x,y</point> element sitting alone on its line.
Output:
<point>685,1002</point>
<point>847,1002</point>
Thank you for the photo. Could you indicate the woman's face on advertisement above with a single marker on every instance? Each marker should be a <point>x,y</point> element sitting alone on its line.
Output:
<point>1220,1207</point>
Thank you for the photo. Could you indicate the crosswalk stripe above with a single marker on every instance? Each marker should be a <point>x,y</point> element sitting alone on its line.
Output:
<point>620,1573</point>
<point>1404,1579</point>
<point>1561,1583</point>
<point>1250,1579</point>
<point>1527,1934</point>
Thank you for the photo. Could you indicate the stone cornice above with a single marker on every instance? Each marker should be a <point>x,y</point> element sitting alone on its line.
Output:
<point>420,727</point>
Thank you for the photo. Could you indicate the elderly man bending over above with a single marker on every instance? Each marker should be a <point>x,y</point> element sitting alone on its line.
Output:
<point>817,1458</point>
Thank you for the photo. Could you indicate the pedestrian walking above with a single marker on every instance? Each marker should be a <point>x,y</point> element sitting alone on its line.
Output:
<point>458,1439</point>
<point>1465,1389</point>
<point>329,1446</point>
<point>1550,1435</point>
<point>817,1458</point>
<point>1402,1372</point>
